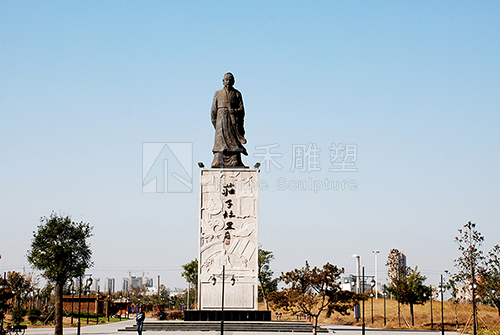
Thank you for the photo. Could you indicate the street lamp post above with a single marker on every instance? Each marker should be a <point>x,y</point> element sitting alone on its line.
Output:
<point>372,284</point>
<point>398,292</point>
<point>432,317</point>
<point>79,305</point>
<point>371,298</point>
<point>72,291</point>
<point>472,251</point>
<point>97,307</point>
<point>384,292</point>
<point>222,306</point>
<point>107,306</point>
<point>441,288</point>
<point>358,283</point>
<point>129,305</point>
<point>214,281</point>
<point>121,300</point>
<point>89,282</point>
<point>376,252</point>
<point>363,323</point>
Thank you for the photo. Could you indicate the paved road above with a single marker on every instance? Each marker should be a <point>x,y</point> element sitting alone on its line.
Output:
<point>112,328</point>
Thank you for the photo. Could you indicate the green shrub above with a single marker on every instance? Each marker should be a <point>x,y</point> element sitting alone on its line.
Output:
<point>83,315</point>
<point>171,315</point>
<point>34,315</point>
<point>47,318</point>
<point>18,314</point>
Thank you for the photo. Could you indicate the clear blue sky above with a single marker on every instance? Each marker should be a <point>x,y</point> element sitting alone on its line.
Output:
<point>414,84</point>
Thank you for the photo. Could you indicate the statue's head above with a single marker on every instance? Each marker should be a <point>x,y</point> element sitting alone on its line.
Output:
<point>228,79</point>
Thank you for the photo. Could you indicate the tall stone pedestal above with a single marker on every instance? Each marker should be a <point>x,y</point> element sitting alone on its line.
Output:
<point>228,238</point>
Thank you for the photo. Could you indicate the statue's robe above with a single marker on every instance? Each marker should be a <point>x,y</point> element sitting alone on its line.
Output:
<point>228,115</point>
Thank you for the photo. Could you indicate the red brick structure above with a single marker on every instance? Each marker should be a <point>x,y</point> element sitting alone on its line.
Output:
<point>88,304</point>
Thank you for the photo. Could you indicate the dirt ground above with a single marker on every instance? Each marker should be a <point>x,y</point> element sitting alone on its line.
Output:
<point>488,317</point>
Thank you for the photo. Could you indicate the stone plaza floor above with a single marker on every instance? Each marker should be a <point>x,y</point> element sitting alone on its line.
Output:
<point>112,328</point>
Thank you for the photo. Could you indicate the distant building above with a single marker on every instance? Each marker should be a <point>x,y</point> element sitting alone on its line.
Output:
<point>125,284</point>
<point>396,263</point>
<point>349,283</point>
<point>131,282</point>
<point>109,285</point>
<point>96,285</point>
<point>135,282</point>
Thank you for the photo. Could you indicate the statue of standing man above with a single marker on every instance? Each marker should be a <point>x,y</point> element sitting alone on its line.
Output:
<point>228,114</point>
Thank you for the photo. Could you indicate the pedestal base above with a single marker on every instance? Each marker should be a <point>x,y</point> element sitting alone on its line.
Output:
<point>205,315</point>
<point>228,240</point>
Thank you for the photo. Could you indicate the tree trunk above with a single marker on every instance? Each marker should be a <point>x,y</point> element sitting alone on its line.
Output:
<point>58,315</point>
<point>412,317</point>
<point>315,324</point>
<point>264,297</point>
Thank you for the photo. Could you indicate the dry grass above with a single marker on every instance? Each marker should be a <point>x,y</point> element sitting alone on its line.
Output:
<point>488,318</point>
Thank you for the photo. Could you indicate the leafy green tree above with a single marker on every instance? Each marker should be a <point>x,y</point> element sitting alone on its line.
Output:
<point>45,294</point>
<point>409,289</point>
<point>190,272</point>
<point>162,297</point>
<point>179,296</point>
<point>21,285</point>
<point>266,282</point>
<point>60,250</point>
<point>489,290</point>
<point>314,290</point>
<point>138,295</point>
<point>6,296</point>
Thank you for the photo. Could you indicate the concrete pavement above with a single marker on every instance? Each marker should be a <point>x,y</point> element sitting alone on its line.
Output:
<point>351,330</point>
<point>112,328</point>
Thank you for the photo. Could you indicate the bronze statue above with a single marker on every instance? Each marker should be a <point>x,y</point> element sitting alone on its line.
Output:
<point>227,117</point>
